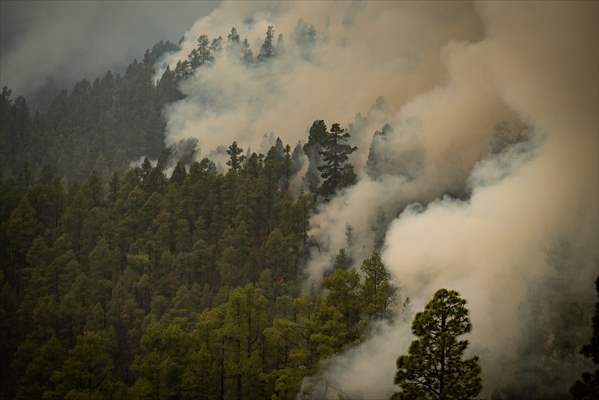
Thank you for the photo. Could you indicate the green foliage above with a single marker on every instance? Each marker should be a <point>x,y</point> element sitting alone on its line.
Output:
<point>36,382</point>
<point>336,172</point>
<point>235,161</point>
<point>166,288</point>
<point>23,227</point>
<point>316,140</point>
<point>434,367</point>
<point>87,370</point>
<point>378,292</point>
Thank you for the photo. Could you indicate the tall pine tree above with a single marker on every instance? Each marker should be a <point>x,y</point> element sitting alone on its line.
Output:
<point>434,367</point>
<point>336,172</point>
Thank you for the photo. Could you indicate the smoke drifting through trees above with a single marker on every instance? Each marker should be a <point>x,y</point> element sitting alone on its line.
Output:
<point>451,74</point>
<point>68,40</point>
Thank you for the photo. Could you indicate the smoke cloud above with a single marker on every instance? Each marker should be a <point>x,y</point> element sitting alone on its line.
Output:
<point>490,164</point>
<point>493,247</point>
<point>333,80</point>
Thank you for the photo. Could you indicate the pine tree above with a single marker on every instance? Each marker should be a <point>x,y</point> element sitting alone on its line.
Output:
<point>216,46</point>
<point>102,261</point>
<point>336,172</point>
<point>244,323</point>
<point>179,174</point>
<point>378,293</point>
<point>87,371</point>
<point>23,227</point>
<point>234,160</point>
<point>167,90</point>
<point>434,367</point>
<point>202,54</point>
<point>161,363</point>
<point>37,380</point>
<point>92,190</point>
<point>183,69</point>
<point>276,251</point>
<point>343,286</point>
<point>267,50</point>
<point>317,138</point>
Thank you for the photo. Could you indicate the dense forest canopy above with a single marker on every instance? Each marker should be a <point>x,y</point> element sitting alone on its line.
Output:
<point>173,287</point>
<point>139,283</point>
<point>264,209</point>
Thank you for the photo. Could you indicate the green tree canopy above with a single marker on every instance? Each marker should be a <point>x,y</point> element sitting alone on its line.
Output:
<point>235,160</point>
<point>435,368</point>
<point>378,292</point>
<point>87,371</point>
<point>336,172</point>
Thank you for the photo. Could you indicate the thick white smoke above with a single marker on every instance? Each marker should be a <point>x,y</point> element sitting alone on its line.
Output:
<point>363,51</point>
<point>449,73</point>
<point>492,248</point>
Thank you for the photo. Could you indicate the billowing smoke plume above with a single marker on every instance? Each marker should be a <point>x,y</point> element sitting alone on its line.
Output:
<point>483,176</point>
<point>357,53</point>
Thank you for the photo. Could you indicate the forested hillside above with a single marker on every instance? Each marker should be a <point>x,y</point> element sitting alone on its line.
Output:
<point>100,125</point>
<point>329,200</point>
<point>139,286</point>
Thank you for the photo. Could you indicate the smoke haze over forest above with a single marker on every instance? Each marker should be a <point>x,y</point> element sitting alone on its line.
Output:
<point>477,134</point>
<point>69,40</point>
<point>449,74</point>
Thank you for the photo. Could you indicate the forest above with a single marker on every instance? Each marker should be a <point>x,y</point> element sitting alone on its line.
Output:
<point>135,285</point>
<point>139,264</point>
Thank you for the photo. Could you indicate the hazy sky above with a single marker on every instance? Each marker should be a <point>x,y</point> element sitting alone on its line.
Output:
<point>69,40</point>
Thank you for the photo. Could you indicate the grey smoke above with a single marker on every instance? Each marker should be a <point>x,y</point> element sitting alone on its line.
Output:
<point>72,40</point>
